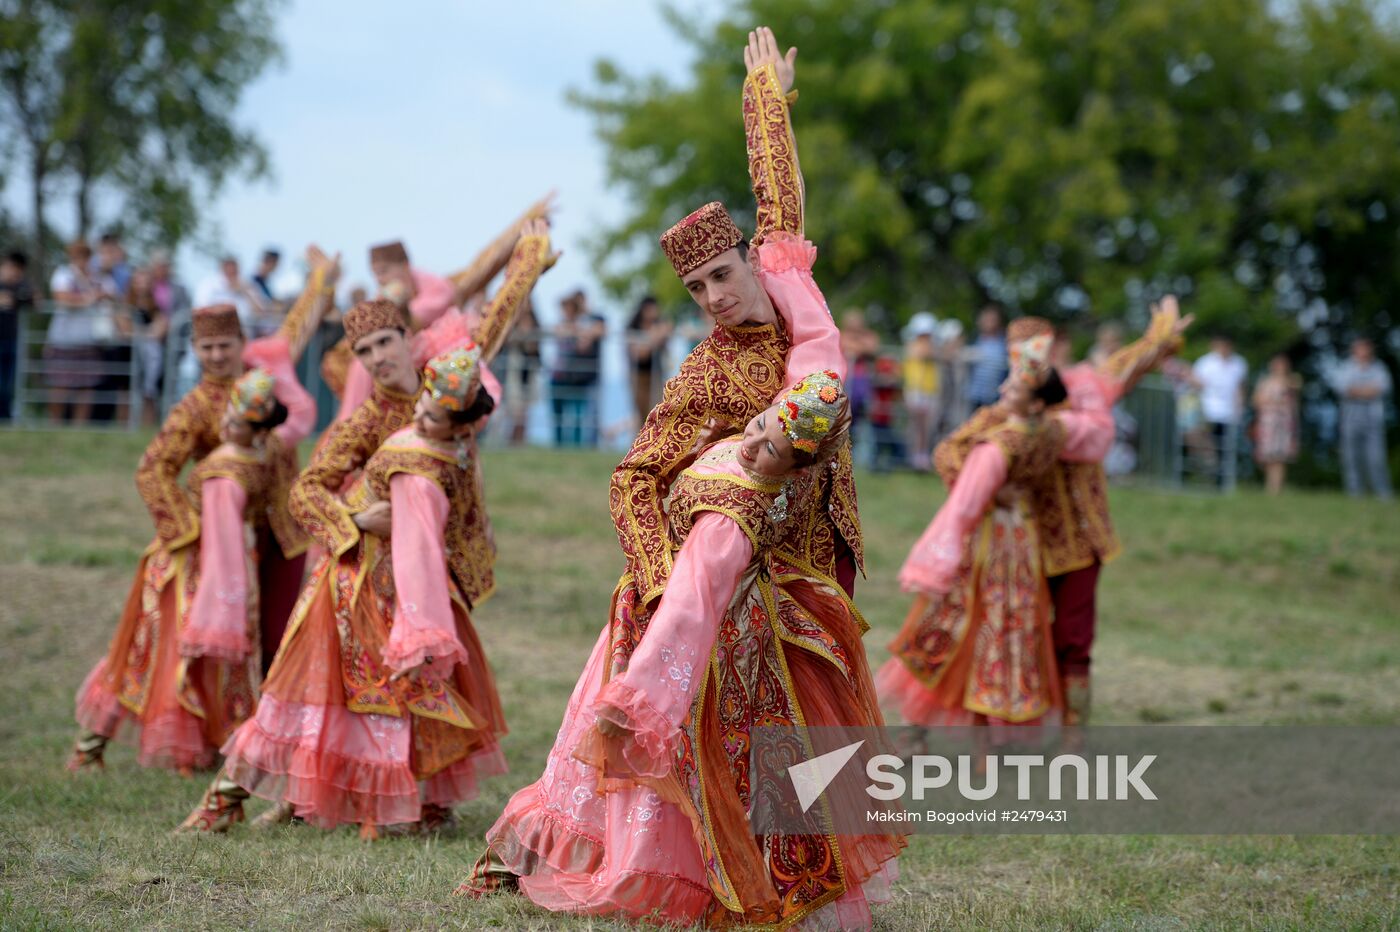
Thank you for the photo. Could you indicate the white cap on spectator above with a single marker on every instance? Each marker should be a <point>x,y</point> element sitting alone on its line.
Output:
<point>922,324</point>
<point>950,329</point>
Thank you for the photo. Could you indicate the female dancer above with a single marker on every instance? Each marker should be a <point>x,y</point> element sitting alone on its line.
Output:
<point>380,708</point>
<point>976,647</point>
<point>185,663</point>
<point>642,810</point>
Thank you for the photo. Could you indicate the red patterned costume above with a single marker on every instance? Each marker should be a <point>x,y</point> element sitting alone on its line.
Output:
<point>340,734</point>
<point>976,646</point>
<point>183,700</point>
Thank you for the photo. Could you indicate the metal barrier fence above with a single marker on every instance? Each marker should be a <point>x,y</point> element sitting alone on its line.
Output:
<point>559,395</point>
<point>75,363</point>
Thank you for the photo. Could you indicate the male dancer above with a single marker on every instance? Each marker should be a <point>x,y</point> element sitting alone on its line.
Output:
<point>1070,502</point>
<point>737,370</point>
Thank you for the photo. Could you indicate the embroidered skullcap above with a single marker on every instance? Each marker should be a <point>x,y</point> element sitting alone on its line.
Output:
<point>453,378</point>
<point>216,320</point>
<point>810,409</point>
<point>253,399</point>
<point>369,316</point>
<point>388,252</point>
<point>700,237</point>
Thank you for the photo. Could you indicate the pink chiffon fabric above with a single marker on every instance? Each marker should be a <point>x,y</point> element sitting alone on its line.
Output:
<point>273,354</point>
<point>583,848</point>
<point>423,622</point>
<point>218,622</point>
<point>784,266</point>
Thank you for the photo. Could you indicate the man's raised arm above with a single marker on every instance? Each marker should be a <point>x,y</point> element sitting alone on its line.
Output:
<point>773,166</point>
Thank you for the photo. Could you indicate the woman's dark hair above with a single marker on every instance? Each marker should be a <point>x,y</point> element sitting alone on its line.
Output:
<point>278,416</point>
<point>1053,391</point>
<point>636,322</point>
<point>478,409</point>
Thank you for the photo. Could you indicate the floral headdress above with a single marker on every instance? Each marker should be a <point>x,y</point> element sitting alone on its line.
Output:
<point>810,409</point>
<point>452,378</point>
<point>1028,341</point>
<point>253,399</point>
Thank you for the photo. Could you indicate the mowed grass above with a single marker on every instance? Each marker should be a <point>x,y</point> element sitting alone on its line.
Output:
<point>1240,610</point>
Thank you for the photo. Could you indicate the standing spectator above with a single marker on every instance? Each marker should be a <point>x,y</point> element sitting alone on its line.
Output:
<point>951,387</point>
<point>523,349</point>
<point>987,360</point>
<point>229,287</point>
<point>1362,382</point>
<point>647,334</point>
<point>270,317</point>
<point>111,264</point>
<point>860,345</point>
<point>1220,375</point>
<point>262,278</point>
<point>921,395</point>
<point>71,353</point>
<point>1276,421</point>
<point>578,336</point>
<point>884,407</point>
<point>149,325</point>
<point>16,298</point>
<point>173,299</point>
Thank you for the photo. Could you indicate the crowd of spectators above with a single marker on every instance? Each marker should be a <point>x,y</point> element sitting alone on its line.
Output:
<point>115,335</point>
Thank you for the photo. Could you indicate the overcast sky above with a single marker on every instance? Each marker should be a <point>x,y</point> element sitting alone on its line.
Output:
<point>436,123</point>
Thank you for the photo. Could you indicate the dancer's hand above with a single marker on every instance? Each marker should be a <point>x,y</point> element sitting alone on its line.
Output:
<point>539,226</point>
<point>377,519</point>
<point>413,671</point>
<point>316,259</point>
<point>763,50</point>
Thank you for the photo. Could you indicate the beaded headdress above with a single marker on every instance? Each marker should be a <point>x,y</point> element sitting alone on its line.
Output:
<point>1028,341</point>
<point>810,409</point>
<point>453,378</point>
<point>253,399</point>
<point>216,320</point>
<point>369,316</point>
<point>700,237</point>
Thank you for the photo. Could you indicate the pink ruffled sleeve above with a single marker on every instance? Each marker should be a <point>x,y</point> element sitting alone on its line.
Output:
<point>449,331</point>
<point>218,625</point>
<point>1088,435</point>
<point>423,622</point>
<point>653,697</point>
<point>933,562</point>
<point>785,269</point>
<point>273,354</point>
<point>433,297</point>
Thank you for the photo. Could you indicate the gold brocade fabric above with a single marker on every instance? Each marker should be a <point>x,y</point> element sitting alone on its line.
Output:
<point>335,366</point>
<point>189,432</point>
<point>346,447</point>
<point>774,171</point>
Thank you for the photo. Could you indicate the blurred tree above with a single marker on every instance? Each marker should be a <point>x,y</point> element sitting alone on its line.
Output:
<point>1075,158</point>
<point>133,99</point>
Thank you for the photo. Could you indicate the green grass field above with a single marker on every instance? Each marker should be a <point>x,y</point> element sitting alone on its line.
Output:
<point>1234,611</point>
